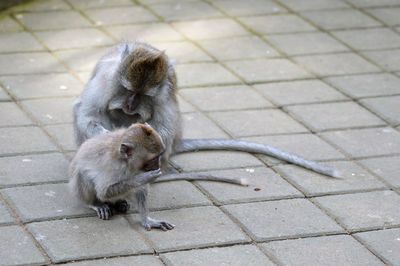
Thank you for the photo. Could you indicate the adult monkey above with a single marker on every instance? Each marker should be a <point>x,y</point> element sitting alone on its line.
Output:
<point>135,82</point>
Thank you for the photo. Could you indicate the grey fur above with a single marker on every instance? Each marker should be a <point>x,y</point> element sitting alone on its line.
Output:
<point>99,109</point>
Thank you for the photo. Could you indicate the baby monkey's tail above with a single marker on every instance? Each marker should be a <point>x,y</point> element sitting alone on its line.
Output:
<point>188,145</point>
<point>200,177</point>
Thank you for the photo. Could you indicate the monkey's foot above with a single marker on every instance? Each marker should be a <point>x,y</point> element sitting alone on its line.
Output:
<point>153,223</point>
<point>121,206</point>
<point>104,211</point>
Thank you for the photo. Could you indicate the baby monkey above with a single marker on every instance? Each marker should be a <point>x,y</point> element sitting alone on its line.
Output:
<point>110,167</point>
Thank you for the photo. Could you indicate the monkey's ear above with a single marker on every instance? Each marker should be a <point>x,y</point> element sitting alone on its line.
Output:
<point>126,150</point>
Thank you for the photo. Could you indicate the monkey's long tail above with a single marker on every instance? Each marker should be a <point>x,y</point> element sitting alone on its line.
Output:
<point>205,177</point>
<point>188,145</point>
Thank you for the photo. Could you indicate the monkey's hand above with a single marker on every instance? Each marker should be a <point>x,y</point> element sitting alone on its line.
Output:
<point>150,223</point>
<point>147,177</point>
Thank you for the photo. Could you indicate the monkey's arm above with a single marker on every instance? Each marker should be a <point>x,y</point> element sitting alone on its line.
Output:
<point>125,185</point>
<point>188,145</point>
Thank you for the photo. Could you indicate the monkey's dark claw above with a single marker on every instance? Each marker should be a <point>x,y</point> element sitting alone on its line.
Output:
<point>121,206</point>
<point>152,223</point>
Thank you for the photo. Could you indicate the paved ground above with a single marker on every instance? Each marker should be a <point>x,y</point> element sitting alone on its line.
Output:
<point>318,78</point>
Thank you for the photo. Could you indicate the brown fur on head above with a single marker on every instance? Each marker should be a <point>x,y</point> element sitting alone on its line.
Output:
<point>146,68</point>
<point>141,139</point>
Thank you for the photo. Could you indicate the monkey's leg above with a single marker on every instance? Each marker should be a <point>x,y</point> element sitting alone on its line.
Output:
<point>188,145</point>
<point>147,222</point>
<point>102,209</point>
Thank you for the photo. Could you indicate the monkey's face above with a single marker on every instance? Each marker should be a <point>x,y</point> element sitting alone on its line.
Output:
<point>142,147</point>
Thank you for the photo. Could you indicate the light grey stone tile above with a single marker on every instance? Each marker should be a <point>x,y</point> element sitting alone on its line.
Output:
<point>369,39</point>
<point>358,86</point>
<point>195,228</point>
<point>5,215</point>
<point>184,106</point>
<point>50,111</point>
<point>373,3</point>
<point>309,146</point>
<point>384,242</point>
<point>84,238</point>
<point>182,10</point>
<point>336,64</point>
<point>7,24</point>
<point>325,250</point>
<point>297,92</point>
<point>63,134</point>
<point>264,184</point>
<point>377,209</point>
<point>87,4</point>
<point>352,178</point>
<point>386,107</point>
<point>27,63</point>
<point>82,59</point>
<point>238,48</point>
<point>4,96</point>
<point>41,202</point>
<point>183,52</point>
<point>257,122</point>
<point>53,20</point>
<point>24,139</point>
<point>120,261</point>
<point>13,240</point>
<point>210,29</point>
<point>154,32</point>
<point>301,5</point>
<point>12,115</point>
<point>340,19</point>
<point>225,98</point>
<point>306,43</point>
<point>366,142</point>
<point>235,256</point>
<point>329,116</point>
<point>262,70</point>
<point>175,194</point>
<point>19,42</point>
<point>120,15</point>
<point>386,59</point>
<point>286,23</point>
<point>387,168</point>
<point>31,169</point>
<point>200,74</point>
<point>282,219</point>
<point>205,161</point>
<point>196,125</point>
<point>43,5</point>
<point>74,38</point>
<point>250,7</point>
<point>42,85</point>
<point>389,15</point>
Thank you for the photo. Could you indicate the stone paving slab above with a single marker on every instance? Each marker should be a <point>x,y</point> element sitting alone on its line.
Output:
<point>385,243</point>
<point>264,184</point>
<point>326,250</point>
<point>102,238</point>
<point>195,228</point>
<point>81,59</point>
<point>235,256</point>
<point>389,15</point>
<point>197,125</point>
<point>12,115</point>
<point>13,240</point>
<point>387,168</point>
<point>4,96</point>
<point>302,5</point>
<point>44,202</point>
<point>120,261</point>
<point>183,52</point>
<point>299,92</point>
<point>386,107</point>
<point>359,86</point>
<point>37,141</point>
<point>5,215</point>
<point>19,41</point>
<point>282,219</point>
<point>377,209</point>
<point>63,134</point>
<point>41,85</point>
<point>353,178</point>
<point>31,169</point>
<point>251,7</point>
<point>385,59</point>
